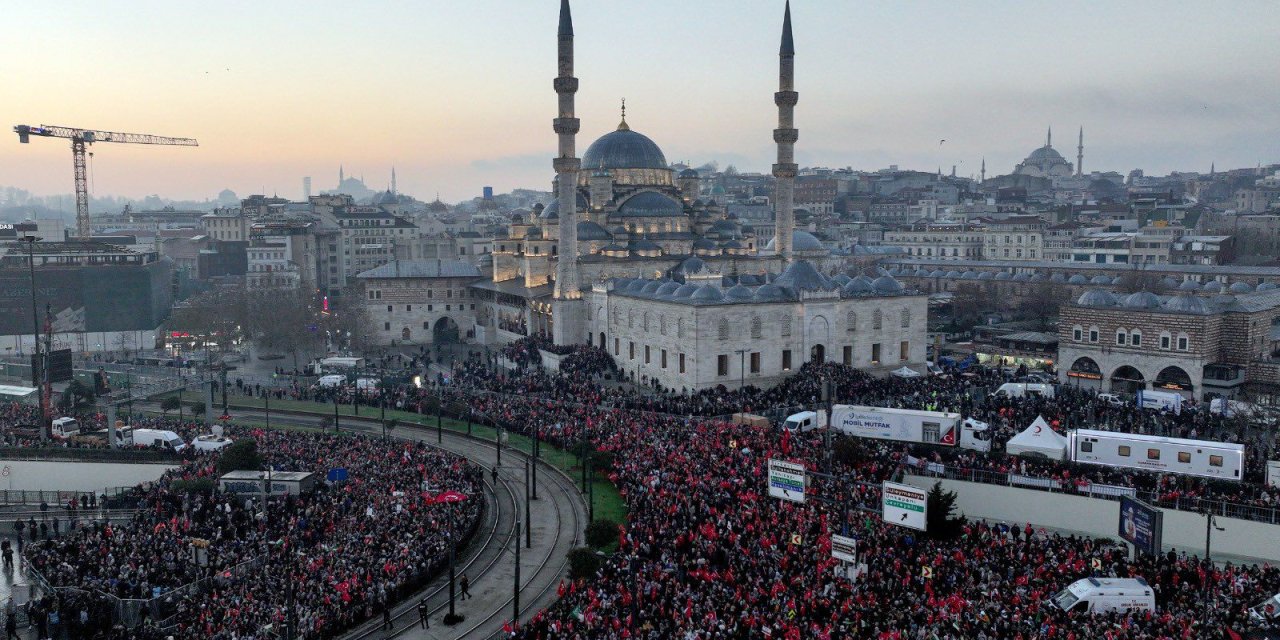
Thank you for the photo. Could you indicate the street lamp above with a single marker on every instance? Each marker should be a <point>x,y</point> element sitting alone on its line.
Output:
<point>35,339</point>
<point>742,367</point>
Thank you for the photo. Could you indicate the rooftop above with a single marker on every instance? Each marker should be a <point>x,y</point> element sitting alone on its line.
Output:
<point>423,269</point>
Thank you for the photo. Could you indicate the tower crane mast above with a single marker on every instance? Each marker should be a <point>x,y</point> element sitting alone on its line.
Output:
<point>80,138</point>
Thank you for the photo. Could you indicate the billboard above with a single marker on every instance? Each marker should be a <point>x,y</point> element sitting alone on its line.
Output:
<point>786,480</point>
<point>904,505</point>
<point>1141,525</point>
<point>59,366</point>
<point>89,298</point>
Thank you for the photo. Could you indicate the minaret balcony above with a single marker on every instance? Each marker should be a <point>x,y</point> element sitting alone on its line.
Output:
<point>566,84</point>
<point>786,98</point>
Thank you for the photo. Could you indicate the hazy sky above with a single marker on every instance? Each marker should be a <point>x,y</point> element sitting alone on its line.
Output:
<point>458,94</point>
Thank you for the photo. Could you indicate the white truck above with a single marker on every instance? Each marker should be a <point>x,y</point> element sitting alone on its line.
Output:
<point>906,425</point>
<point>331,381</point>
<point>158,438</point>
<point>805,421</point>
<point>1159,400</point>
<point>1104,595</point>
<point>211,442</point>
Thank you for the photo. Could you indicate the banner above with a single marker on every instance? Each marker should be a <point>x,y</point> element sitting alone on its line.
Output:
<point>786,480</point>
<point>1141,525</point>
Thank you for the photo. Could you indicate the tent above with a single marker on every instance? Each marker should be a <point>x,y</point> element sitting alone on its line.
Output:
<point>1039,440</point>
<point>906,372</point>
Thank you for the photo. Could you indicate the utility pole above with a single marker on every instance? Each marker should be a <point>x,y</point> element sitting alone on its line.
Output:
<point>336,428</point>
<point>533,467</point>
<point>528,535</point>
<point>35,337</point>
<point>515,599</point>
<point>591,495</point>
<point>497,436</point>
<point>266,402</point>
<point>742,368</point>
<point>224,390</point>
<point>1210,523</point>
<point>439,425</point>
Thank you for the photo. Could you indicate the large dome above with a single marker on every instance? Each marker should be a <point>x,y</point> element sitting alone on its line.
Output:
<point>1045,155</point>
<point>624,149</point>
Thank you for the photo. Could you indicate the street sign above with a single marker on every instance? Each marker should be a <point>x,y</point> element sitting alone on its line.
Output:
<point>904,505</point>
<point>843,548</point>
<point>1096,563</point>
<point>337,475</point>
<point>796,539</point>
<point>786,480</point>
<point>926,573</point>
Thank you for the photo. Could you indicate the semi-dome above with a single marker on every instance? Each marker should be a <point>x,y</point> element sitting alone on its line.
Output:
<point>800,241</point>
<point>624,149</point>
<point>707,293</point>
<point>1240,287</point>
<point>802,276</point>
<point>1100,280</point>
<point>770,293</point>
<point>1077,279</point>
<point>650,204</point>
<point>1096,298</point>
<point>887,285</point>
<point>1142,300</point>
<point>1189,285</point>
<point>739,292</point>
<point>589,231</point>
<point>1186,303</point>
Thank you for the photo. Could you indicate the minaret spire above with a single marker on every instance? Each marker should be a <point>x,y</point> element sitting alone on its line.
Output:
<point>982,177</point>
<point>341,176</point>
<point>784,171</point>
<point>567,292</point>
<point>1048,138</point>
<point>622,126</point>
<point>1080,154</point>
<point>393,181</point>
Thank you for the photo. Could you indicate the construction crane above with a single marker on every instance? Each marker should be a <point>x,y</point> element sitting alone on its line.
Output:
<point>79,139</point>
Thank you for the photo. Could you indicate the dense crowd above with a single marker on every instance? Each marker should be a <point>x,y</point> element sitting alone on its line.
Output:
<point>339,554</point>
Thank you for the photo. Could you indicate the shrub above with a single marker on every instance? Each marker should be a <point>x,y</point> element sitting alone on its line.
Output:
<point>242,455</point>
<point>198,485</point>
<point>584,563</point>
<point>602,533</point>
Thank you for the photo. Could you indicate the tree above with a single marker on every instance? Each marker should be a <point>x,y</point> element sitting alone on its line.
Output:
<point>583,563</point>
<point>170,403</point>
<point>1042,301</point>
<point>77,396</point>
<point>242,455</point>
<point>967,305</point>
<point>1136,280</point>
<point>601,533</point>
<point>941,523</point>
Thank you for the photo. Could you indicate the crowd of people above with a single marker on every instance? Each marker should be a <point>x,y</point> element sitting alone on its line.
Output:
<point>336,556</point>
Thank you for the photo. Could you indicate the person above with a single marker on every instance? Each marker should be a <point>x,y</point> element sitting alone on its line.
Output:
<point>494,473</point>
<point>466,586</point>
<point>386,616</point>
<point>424,614</point>
<point>7,551</point>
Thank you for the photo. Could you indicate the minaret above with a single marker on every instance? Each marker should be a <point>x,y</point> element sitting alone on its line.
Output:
<point>567,293</point>
<point>982,177</point>
<point>1048,138</point>
<point>1080,154</point>
<point>393,182</point>
<point>341,176</point>
<point>784,171</point>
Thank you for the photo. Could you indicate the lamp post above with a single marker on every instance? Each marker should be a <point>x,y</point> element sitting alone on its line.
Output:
<point>35,337</point>
<point>742,368</point>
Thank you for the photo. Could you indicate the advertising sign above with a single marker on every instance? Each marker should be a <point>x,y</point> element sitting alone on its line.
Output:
<point>908,425</point>
<point>904,505</point>
<point>845,549</point>
<point>1273,473</point>
<point>786,480</point>
<point>1141,525</point>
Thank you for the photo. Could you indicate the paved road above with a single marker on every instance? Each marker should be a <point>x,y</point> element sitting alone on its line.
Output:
<point>558,523</point>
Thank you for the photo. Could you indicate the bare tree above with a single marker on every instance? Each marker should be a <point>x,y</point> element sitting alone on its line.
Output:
<point>1042,301</point>
<point>1137,279</point>
<point>968,303</point>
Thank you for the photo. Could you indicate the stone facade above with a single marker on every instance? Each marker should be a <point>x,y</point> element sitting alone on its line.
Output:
<point>420,301</point>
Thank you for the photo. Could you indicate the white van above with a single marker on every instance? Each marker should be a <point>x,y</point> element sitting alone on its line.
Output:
<point>1025,389</point>
<point>1103,595</point>
<point>65,428</point>
<point>331,381</point>
<point>210,442</point>
<point>367,384</point>
<point>802,422</point>
<point>159,438</point>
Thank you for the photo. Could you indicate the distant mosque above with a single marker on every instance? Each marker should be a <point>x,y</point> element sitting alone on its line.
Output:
<point>1046,162</point>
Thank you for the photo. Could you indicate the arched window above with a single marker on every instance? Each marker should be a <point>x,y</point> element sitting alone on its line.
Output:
<point>877,320</point>
<point>852,322</point>
<point>1077,333</point>
<point>906,318</point>
<point>1121,338</point>
<point>757,328</point>
<point>1135,338</point>
<point>1184,343</point>
<point>662,325</point>
<point>1093,334</point>
<point>1166,340</point>
<point>724,328</point>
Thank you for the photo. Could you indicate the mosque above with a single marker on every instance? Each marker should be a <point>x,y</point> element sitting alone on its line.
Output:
<point>1046,162</point>
<point>633,258</point>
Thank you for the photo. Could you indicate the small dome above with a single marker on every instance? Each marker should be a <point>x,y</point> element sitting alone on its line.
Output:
<point>652,286</point>
<point>689,173</point>
<point>1141,300</point>
<point>667,288</point>
<point>986,275</point>
<point>1057,277</point>
<point>887,285</point>
<point>620,284</point>
<point>1240,287</point>
<point>386,197</point>
<point>939,273</point>
<point>650,204</point>
<point>802,276</point>
<point>1077,279</point>
<point>704,244</point>
<point>707,293</point>
<point>618,230</point>
<point>637,285</point>
<point>1039,277</point>
<point>1101,280</point>
<point>1189,285</point>
<point>739,292</point>
<point>969,275</point>
<point>437,206</point>
<point>644,245</point>
<point>894,271</point>
<point>1223,300</point>
<point>1266,286</point>
<point>957,274</point>
<point>920,273</point>
<point>1117,281</point>
<point>1004,275</point>
<point>1168,282</point>
<point>1186,303</point>
<point>1213,286</point>
<point>750,279</point>
<point>684,291</point>
<point>1096,298</point>
<point>770,293</point>
<point>692,264</point>
<point>860,286</point>
<point>1022,277</point>
<point>552,211</point>
<point>841,279</point>
<point>589,231</point>
<point>731,244</point>
<point>800,241</point>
